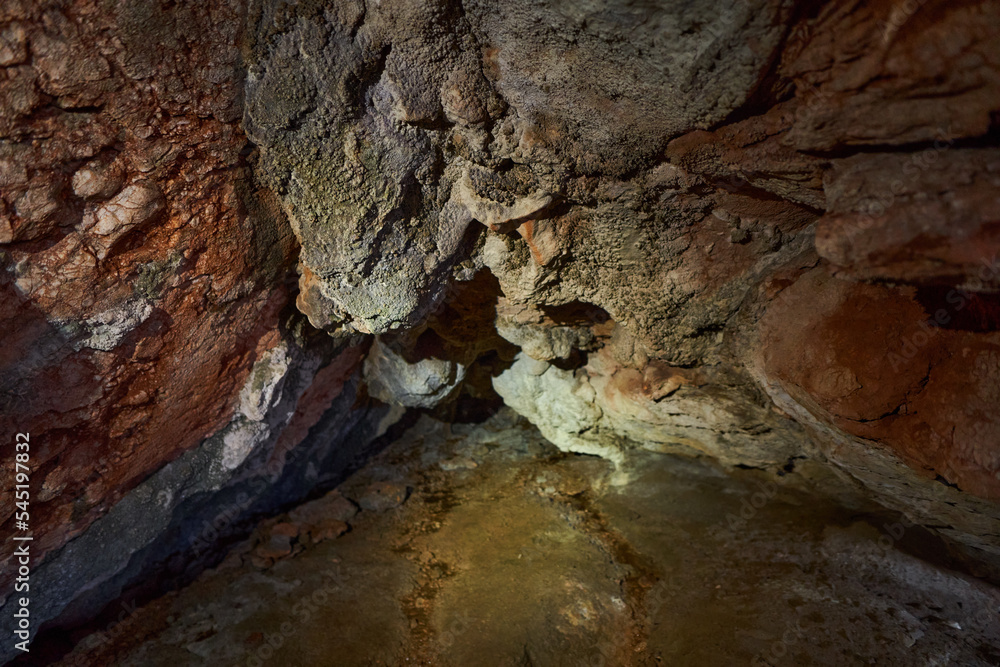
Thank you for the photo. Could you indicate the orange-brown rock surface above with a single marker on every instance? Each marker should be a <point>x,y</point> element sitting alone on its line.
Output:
<point>140,286</point>
<point>144,274</point>
<point>764,232</point>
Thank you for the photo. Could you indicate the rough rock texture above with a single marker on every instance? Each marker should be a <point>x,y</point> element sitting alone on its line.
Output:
<point>765,232</point>
<point>421,384</point>
<point>605,408</point>
<point>150,347</point>
<point>388,129</point>
<point>137,282</point>
<point>780,218</point>
<point>685,565</point>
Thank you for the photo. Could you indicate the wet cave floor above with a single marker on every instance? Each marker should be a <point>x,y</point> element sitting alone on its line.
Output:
<point>483,545</point>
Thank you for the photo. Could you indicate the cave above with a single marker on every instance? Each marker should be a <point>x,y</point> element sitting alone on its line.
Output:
<point>479,332</point>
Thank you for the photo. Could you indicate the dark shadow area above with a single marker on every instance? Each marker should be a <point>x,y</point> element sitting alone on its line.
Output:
<point>958,310</point>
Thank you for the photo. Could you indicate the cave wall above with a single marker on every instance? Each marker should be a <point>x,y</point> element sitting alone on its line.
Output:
<point>151,345</point>
<point>784,215</point>
<point>250,235</point>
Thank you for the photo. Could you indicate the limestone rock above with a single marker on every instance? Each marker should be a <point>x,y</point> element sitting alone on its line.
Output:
<point>382,199</point>
<point>421,384</point>
<point>332,506</point>
<point>143,278</point>
<point>561,404</point>
<point>98,179</point>
<point>912,403</point>
<point>882,224</point>
<point>606,409</point>
<point>543,338</point>
<point>383,496</point>
<point>763,232</point>
<point>674,169</point>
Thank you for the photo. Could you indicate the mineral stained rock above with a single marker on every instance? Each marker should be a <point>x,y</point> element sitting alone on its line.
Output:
<point>763,231</point>
<point>151,349</point>
<point>781,218</point>
<point>422,384</point>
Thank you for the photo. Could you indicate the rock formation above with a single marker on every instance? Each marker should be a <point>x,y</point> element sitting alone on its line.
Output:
<point>239,239</point>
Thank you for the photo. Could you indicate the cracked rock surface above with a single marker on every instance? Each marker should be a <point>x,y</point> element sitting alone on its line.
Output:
<point>510,549</point>
<point>762,231</point>
<point>240,239</point>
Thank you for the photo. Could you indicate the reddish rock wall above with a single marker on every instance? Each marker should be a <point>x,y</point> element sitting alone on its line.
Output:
<point>144,274</point>
<point>764,232</point>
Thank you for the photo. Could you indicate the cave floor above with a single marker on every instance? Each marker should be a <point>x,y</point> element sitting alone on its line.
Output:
<point>508,552</point>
